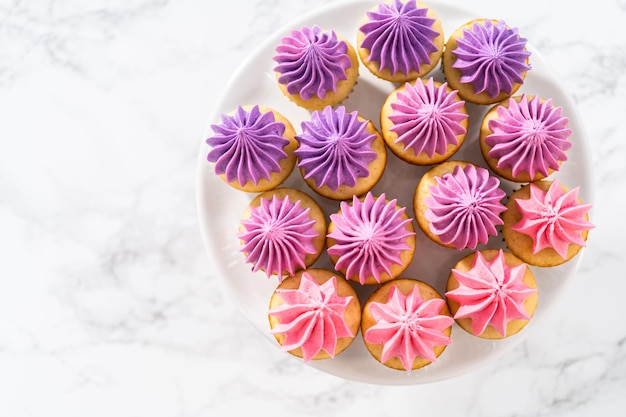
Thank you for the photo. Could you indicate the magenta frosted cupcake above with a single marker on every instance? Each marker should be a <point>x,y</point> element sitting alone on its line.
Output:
<point>252,148</point>
<point>340,154</point>
<point>485,60</point>
<point>525,138</point>
<point>424,122</point>
<point>371,240</point>
<point>316,68</point>
<point>282,231</point>
<point>400,40</point>
<point>458,204</point>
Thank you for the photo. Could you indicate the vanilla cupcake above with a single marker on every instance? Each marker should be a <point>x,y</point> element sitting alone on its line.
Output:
<point>400,40</point>
<point>315,314</point>
<point>316,68</point>
<point>424,122</point>
<point>525,138</point>
<point>340,154</point>
<point>458,204</point>
<point>371,240</point>
<point>491,294</point>
<point>485,60</point>
<point>545,223</point>
<point>406,324</point>
<point>282,231</point>
<point>252,148</point>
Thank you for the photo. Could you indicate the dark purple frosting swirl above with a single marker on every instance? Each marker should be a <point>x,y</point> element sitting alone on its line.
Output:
<point>491,57</point>
<point>399,36</point>
<point>311,62</point>
<point>247,145</point>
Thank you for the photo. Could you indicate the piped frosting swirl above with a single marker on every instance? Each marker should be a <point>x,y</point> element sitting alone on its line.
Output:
<point>277,236</point>
<point>427,118</point>
<point>492,57</point>
<point>335,148</point>
<point>399,36</point>
<point>312,317</point>
<point>311,62</point>
<point>529,136</point>
<point>247,145</point>
<point>408,326</point>
<point>464,207</point>
<point>491,293</point>
<point>369,236</point>
<point>553,218</point>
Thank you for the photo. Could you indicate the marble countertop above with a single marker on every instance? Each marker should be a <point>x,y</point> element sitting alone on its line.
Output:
<point>109,303</point>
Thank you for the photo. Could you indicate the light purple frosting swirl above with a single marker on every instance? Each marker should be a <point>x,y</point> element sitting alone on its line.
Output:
<point>529,136</point>
<point>427,118</point>
<point>335,148</point>
<point>399,36</point>
<point>491,57</point>
<point>247,145</point>
<point>311,62</point>
<point>464,206</point>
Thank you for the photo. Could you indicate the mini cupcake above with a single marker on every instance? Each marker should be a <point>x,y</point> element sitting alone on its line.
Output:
<point>492,294</point>
<point>400,41</point>
<point>340,154</point>
<point>525,138</point>
<point>485,60</point>
<point>424,122</point>
<point>281,231</point>
<point>371,240</point>
<point>314,314</point>
<point>252,148</point>
<point>458,204</point>
<point>316,68</point>
<point>406,324</point>
<point>546,224</point>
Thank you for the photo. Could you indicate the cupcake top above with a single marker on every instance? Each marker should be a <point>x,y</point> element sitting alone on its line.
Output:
<point>427,118</point>
<point>553,219</point>
<point>278,236</point>
<point>247,146</point>
<point>492,57</point>
<point>369,236</point>
<point>335,148</point>
<point>408,326</point>
<point>312,317</point>
<point>464,206</point>
<point>399,36</point>
<point>311,61</point>
<point>529,135</point>
<point>491,293</point>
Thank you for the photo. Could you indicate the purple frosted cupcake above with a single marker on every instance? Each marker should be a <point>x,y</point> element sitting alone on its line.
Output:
<point>485,60</point>
<point>316,68</point>
<point>340,154</point>
<point>252,148</point>
<point>424,122</point>
<point>400,40</point>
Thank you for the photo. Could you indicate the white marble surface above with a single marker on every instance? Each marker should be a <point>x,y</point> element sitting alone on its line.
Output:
<point>109,305</point>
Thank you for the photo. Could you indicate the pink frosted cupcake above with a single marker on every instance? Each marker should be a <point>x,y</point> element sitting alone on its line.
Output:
<point>458,204</point>
<point>424,122</point>
<point>314,314</point>
<point>281,231</point>
<point>545,223</point>
<point>400,40</point>
<point>252,148</point>
<point>525,138</point>
<point>492,294</point>
<point>485,60</point>
<point>316,68</point>
<point>406,324</point>
<point>371,240</point>
<point>340,154</point>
